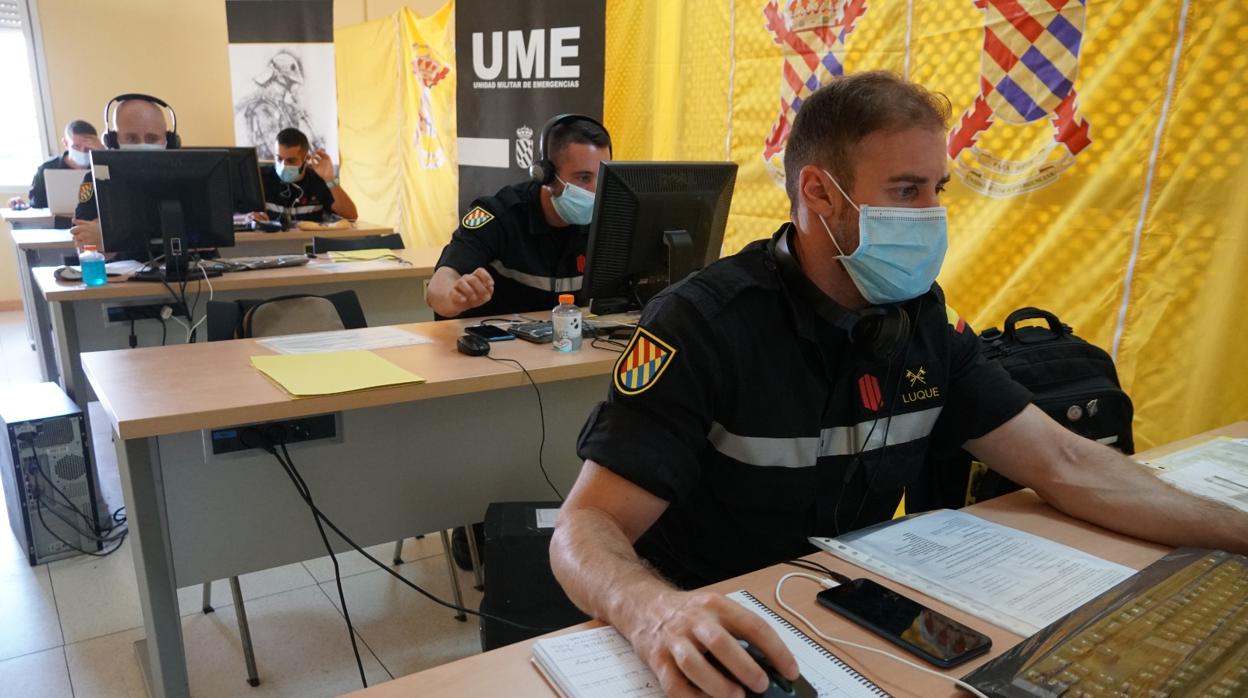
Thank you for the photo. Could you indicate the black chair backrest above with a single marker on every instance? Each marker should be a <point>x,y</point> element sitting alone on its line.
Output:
<point>228,319</point>
<point>393,241</point>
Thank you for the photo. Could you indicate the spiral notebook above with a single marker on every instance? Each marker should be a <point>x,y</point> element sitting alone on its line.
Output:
<point>599,663</point>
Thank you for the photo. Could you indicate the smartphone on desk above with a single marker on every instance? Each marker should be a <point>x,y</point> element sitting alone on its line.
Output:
<point>489,333</point>
<point>934,637</point>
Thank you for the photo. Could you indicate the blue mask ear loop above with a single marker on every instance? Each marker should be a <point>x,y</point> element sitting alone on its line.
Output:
<point>825,223</point>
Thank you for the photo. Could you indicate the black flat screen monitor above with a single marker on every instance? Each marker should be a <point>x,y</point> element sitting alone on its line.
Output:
<point>163,202</point>
<point>654,223</point>
<point>246,187</point>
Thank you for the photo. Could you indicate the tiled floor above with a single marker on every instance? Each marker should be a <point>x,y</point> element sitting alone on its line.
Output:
<point>67,629</point>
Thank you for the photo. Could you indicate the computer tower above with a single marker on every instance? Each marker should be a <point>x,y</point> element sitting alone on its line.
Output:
<point>519,585</point>
<point>49,479</point>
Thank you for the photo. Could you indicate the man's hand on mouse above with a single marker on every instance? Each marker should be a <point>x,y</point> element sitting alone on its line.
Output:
<point>673,631</point>
<point>18,203</point>
<point>472,290</point>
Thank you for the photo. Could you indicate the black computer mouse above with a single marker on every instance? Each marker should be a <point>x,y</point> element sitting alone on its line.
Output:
<point>778,686</point>
<point>472,345</point>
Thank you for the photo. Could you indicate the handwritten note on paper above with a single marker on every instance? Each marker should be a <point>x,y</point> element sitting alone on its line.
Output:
<point>597,663</point>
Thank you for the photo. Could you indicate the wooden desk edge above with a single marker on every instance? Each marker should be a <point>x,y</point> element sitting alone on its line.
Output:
<point>450,676</point>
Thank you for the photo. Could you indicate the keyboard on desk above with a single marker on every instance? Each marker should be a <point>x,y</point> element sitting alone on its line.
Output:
<point>233,264</point>
<point>1185,636</point>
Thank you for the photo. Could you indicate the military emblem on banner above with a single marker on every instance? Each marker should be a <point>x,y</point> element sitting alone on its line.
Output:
<point>644,359</point>
<point>812,34</point>
<point>524,147</point>
<point>1027,73</point>
<point>476,218</point>
<point>429,72</point>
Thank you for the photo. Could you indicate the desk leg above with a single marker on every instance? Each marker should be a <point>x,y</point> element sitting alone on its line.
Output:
<point>161,653</point>
<point>38,319</point>
<point>65,348</point>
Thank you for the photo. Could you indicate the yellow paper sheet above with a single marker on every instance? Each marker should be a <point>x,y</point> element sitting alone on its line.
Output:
<point>361,255</point>
<point>328,373</point>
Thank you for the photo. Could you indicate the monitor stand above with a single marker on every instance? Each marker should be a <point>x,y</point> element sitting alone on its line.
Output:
<point>680,263</point>
<point>177,255</point>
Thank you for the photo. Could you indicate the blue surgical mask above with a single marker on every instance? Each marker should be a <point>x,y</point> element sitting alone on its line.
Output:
<point>575,205</point>
<point>287,173</point>
<point>80,158</point>
<point>141,146</point>
<point>899,253</point>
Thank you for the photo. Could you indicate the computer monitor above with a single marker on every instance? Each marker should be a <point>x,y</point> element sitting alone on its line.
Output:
<point>654,223</point>
<point>246,187</point>
<point>163,202</point>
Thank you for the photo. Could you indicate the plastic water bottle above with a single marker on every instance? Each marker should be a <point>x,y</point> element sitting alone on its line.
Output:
<point>565,320</point>
<point>92,263</point>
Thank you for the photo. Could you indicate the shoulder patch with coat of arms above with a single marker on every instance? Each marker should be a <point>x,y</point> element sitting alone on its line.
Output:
<point>85,192</point>
<point>476,218</point>
<point>644,359</point>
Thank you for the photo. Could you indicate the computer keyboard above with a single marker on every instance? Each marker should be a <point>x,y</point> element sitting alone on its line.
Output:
<point>1185,636</point>
<point>233,264</point>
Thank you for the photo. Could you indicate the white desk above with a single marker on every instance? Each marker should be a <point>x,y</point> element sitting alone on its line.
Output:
<point>389,294</point>
<point>406,460</point>
<point>27,218</point>
<point>39,247</point>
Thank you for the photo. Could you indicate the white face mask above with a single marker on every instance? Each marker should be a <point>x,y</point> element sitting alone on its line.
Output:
<point>141,146</point>
<point>80,158</point>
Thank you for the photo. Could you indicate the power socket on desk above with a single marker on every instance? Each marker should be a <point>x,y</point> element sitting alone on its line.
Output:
<point>151,311</point>
<point>287,431</point>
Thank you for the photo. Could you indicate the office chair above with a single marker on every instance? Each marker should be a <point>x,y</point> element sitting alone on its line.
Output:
<point>393,241</point>
<point>294,314</point>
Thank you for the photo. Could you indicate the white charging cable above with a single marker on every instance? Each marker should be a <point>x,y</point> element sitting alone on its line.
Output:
<point>191,330</point>
<point>828,584</point>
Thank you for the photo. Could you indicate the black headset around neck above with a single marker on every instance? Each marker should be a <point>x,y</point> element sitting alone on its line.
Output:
<point>172,139</point>
<point>878,332</point>
<point>542,170</point>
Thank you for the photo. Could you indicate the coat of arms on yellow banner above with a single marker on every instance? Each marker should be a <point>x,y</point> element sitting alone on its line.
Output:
<point>1028,68</point>
<point>812,34</point>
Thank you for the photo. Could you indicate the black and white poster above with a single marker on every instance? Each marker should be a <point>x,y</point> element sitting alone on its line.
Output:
<point>519,63</point>
<point>282,72</point>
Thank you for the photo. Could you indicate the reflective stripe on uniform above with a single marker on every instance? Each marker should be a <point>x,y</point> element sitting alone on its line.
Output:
<point>803,451</point>
<point>296,210</point>
<point>567,284</point>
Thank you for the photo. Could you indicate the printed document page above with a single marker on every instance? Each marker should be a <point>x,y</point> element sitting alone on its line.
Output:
<point>1216,469</point>
<point>1007,577</point>
<point>368,338</point>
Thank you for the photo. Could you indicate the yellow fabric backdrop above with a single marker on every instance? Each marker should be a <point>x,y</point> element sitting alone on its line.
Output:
<point>1136,238</point>
<point>396,97</point>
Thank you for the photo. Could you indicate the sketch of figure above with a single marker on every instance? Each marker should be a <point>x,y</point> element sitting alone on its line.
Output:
<point>276,103</point>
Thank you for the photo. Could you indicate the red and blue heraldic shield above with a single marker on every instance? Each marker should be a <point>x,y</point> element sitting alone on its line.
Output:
<point>644,359</point>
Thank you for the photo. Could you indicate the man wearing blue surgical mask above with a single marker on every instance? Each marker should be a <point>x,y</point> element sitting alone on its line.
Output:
<point>798,387</point>
<point>301,184</point>
<point>79,140</point>
<point>516,251</point>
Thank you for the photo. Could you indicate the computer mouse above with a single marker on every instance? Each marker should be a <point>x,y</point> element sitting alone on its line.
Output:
<point>778,686</point>
<point>472,345</point>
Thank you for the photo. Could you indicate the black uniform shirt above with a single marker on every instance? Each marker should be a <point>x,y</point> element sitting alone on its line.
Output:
<point>531,262</point>
<point>38,194</point>
<point>744,410</point>
<point>309,199</point>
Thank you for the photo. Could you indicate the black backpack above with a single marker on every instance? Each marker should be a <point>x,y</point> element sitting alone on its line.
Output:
<point>1074,382</point>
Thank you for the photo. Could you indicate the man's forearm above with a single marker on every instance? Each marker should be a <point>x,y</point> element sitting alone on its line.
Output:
<point>344,206</point>
<point>1109,489</point>
<point>597,567</point>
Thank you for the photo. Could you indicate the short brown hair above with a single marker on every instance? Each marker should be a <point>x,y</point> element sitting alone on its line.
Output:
<point>841,113</point>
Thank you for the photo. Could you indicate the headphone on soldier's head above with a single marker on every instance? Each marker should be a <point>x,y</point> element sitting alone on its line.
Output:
<point>542,170</point>
<point>172,139</point>
<point>878,332</point>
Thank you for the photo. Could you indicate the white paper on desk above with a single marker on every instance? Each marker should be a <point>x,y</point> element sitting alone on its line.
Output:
<point>368,338</point>
<point>1010,578</point>
<point>123,267</point>
<point>597,663</point>
<point>1216,469</point>
<point>340,267</point>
